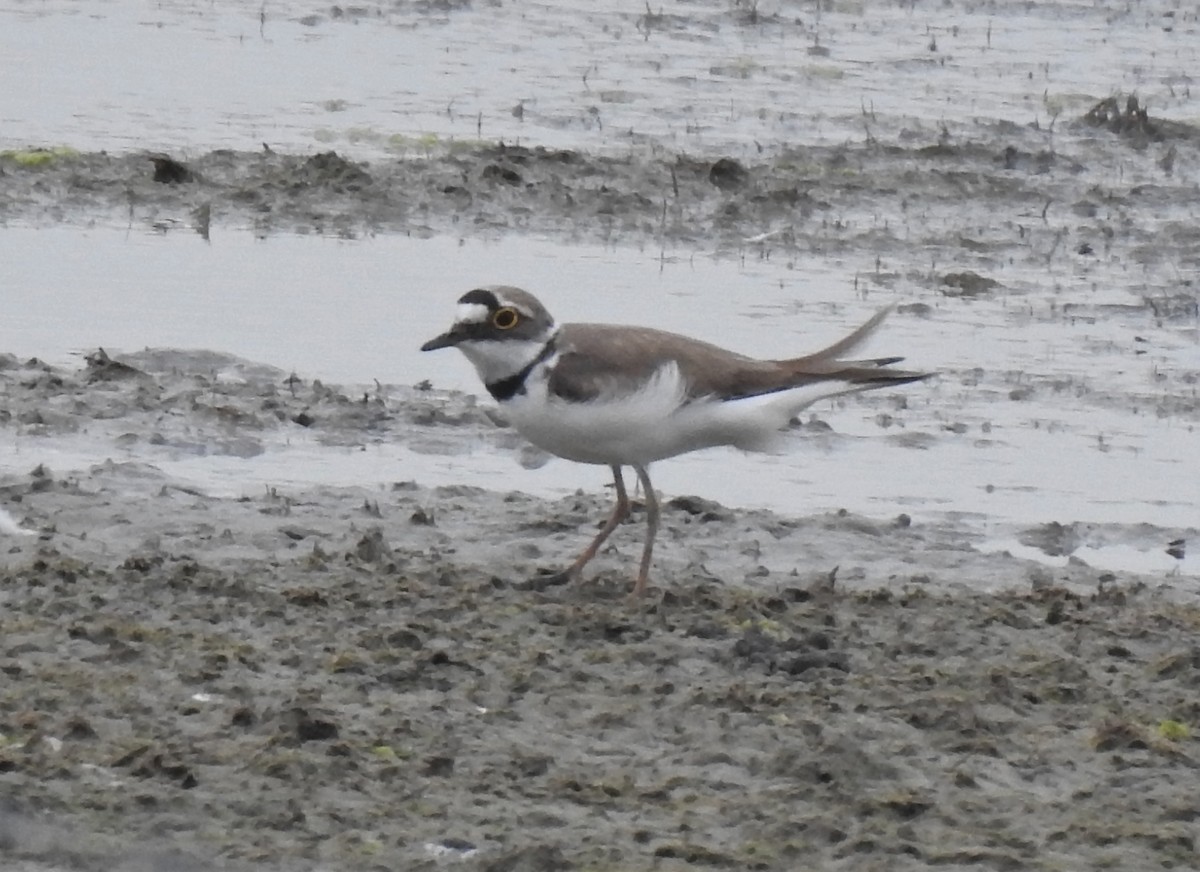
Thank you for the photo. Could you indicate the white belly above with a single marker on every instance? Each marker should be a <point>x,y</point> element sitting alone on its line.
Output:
<point>631,429</point>
<point>654,423</point>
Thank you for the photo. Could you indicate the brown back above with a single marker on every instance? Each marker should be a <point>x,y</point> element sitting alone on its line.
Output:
<point>596,358</point>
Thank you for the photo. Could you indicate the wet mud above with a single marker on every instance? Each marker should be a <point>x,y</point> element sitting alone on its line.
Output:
<point>381,678</point>
<point>1112,186</point>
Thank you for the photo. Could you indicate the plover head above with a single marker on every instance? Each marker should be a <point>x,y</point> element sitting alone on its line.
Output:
<point>500,329</point>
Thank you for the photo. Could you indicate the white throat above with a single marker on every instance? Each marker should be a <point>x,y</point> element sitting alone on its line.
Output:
<point>498,359</point>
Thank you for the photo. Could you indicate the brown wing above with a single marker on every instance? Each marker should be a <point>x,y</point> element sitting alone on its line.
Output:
<point>595,358</point>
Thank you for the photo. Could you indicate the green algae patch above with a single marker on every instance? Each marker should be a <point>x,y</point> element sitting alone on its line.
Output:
<point>37,157</point>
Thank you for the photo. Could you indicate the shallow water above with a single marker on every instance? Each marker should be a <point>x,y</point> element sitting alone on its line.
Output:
<point>1035,417</point>
<point>700,77</point>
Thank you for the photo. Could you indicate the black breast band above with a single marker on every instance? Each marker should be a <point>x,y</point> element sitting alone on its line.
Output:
<point>507,388</point>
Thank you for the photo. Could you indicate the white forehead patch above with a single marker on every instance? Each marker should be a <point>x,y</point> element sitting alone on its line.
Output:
<point>471,313</point>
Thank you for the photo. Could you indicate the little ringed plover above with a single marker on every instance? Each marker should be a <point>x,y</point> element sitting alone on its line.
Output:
<point>627,396</point>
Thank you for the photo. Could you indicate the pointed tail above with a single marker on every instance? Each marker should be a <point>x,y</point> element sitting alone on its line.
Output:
<point>864,375</point>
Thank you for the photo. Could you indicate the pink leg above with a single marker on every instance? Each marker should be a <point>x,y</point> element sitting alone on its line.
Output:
<point>643,475</point>
<point>620,513</point>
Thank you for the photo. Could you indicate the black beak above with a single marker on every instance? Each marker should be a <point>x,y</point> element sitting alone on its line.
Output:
<point>447,340</point>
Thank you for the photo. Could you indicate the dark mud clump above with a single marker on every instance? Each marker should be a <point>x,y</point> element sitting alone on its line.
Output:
<point>1133,121</point>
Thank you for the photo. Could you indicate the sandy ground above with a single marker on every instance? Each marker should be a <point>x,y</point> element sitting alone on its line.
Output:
<point>384,678</point>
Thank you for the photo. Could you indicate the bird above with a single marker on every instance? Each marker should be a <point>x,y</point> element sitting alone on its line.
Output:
<point>627,396</point>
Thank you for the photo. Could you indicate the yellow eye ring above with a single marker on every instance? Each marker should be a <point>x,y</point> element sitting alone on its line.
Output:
<point>505,319</point>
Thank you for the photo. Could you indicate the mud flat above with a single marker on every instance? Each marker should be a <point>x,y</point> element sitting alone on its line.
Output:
<point>1113,186</point>
<point>381,678</point>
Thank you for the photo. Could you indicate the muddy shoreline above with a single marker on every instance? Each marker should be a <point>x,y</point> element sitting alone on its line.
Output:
<point>377,677</point>
<point>1112,184</point>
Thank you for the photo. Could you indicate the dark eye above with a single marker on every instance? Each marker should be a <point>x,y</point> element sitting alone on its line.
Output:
<point>505,319</point>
